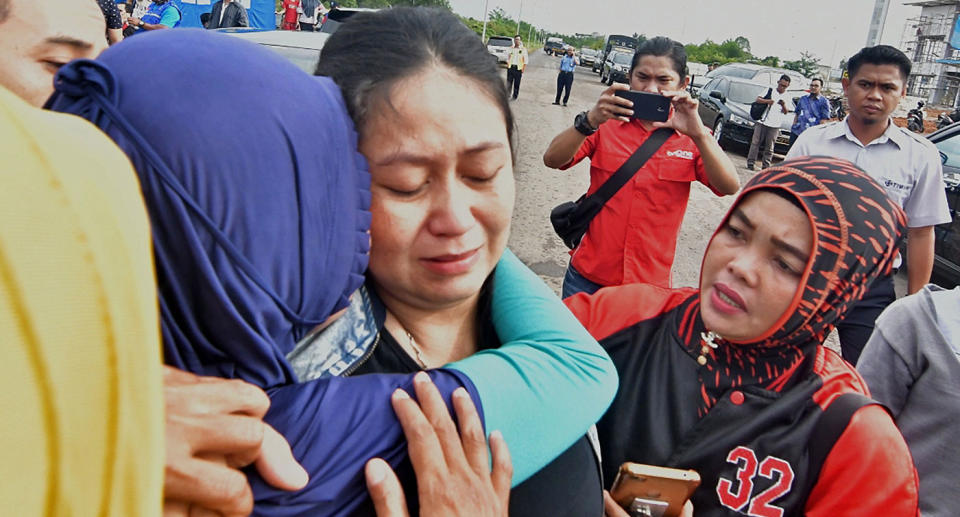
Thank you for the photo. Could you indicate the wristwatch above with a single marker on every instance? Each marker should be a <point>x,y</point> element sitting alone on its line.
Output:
<point>582,124</point>
<point>140,24</point>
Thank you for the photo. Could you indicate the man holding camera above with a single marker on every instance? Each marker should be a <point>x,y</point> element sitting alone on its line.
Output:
<point>633,237</point>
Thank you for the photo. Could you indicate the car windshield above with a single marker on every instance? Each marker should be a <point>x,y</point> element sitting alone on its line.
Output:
<point>745,93</point>
<point>500,42</point>
<point>306,59</point>
<point>622,59</point>
<point>588,52</point>
<point>743,73</point>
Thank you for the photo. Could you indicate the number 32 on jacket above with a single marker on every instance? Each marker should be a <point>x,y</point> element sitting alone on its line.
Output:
<point>736,495</point>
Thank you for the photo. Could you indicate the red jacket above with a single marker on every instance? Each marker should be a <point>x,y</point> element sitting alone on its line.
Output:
<point>634,237</point>
<point>752,448</point>
<point>290,15</point>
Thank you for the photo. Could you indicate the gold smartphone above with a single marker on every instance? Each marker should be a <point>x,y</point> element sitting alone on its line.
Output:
<point>651,491</point>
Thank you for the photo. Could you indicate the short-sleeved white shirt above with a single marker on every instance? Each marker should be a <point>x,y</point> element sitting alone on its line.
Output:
<point>907,165</point>
<point>774,116</point>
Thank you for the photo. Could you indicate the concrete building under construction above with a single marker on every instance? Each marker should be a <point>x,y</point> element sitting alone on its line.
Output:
<point>927,42</point>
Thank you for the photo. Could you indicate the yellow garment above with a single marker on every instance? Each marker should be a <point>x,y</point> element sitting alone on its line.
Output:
<point>518,58</point>
<point>80,378</point>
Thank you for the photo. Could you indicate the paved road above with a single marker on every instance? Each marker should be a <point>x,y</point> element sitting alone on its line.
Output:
<point>539,189</point>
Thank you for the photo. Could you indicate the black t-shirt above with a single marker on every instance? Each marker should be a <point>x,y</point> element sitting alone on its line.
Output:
<point>569,486</point>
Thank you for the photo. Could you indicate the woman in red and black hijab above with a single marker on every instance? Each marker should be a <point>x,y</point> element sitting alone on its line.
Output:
<point>732,380</point>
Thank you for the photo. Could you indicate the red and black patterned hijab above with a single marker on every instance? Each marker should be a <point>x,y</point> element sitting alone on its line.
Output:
<point>856,231</point>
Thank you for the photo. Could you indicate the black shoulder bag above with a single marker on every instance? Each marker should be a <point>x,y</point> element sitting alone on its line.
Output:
<point>571,219</point>
<point>757,109</point>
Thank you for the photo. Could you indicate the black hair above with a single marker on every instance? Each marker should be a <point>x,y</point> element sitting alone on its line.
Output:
<point>4,10</point>
<point>879,55</point>
<point>371,53</point>
<point>785,77</point>
<point>662,47</point>
<point>817,79</point>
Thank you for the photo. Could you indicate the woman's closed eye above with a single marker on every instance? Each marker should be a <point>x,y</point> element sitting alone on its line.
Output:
<point>53,65</point>
<point>405,190</point>
<point>482,176</point>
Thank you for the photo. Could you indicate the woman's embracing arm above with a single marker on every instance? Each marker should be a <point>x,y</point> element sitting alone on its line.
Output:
<point>549,382</point>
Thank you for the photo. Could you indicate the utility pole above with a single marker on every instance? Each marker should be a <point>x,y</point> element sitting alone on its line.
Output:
<point>483,37</point>
<point>519,15</point>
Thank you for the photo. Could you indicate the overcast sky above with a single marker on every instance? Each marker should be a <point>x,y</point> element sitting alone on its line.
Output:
<point>831,29</point>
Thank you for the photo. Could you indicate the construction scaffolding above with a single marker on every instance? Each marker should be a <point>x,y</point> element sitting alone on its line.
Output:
<point>925,41</point>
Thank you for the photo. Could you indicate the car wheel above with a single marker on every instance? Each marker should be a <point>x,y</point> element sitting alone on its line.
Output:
<point>718,132</point>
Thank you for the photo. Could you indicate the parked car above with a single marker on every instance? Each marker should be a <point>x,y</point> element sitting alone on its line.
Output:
<point>725,107</point>
<point>300,48</point>
<point>337,16</point>
<point>767,75</point>
<point>554,46</point>
<point>588,56</point>
<point>616,67</point>
<point>500,47</point>
<point>614,42</point>
<point>946,261</point>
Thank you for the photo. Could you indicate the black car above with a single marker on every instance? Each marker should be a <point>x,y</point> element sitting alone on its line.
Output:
<point>555,47</point>
<point>616,67</point>
<point>725,107</point>
<point>337,16</point>
<point>946,262</point>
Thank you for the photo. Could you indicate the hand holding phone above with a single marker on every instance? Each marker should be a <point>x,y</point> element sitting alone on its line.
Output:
<point>647,106</point>
<point>651,491</point>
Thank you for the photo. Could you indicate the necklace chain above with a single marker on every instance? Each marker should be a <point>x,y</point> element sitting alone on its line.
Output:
<point>418,357</point>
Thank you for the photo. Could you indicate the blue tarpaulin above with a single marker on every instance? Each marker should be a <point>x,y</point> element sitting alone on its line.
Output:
<point>955,35</point>
<point>259,12</point>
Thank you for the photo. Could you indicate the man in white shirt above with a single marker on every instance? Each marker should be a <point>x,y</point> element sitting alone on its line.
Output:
<point>765,131</point>
<point>516,63</point>
<point>906,164</point>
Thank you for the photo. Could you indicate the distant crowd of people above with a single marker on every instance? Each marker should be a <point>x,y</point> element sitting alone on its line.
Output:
<point>125,18</point>
<point>319,314</point>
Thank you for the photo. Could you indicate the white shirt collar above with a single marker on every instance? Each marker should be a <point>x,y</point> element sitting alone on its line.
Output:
<point>892,133</point>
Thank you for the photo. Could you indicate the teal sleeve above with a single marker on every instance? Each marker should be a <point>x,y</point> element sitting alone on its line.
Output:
<point>549,382</point>
<point>170,17</point>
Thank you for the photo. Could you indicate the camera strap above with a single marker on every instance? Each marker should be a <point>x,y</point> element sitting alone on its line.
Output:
<point>630,167</point>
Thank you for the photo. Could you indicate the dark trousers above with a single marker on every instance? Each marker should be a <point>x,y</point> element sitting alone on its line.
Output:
<point>306,27</point>
<point>857,324</point>
<point>514,75</point>
<point>574,282</point>
<point>564,82</point>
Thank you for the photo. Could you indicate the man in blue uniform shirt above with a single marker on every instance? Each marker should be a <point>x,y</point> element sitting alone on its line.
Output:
<point>568,64</point>
<point>812,110</point>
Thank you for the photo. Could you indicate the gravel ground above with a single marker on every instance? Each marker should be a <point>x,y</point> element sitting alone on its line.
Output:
<point>539,188</point>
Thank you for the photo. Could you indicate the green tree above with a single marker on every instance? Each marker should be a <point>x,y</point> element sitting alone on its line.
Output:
<point>743,43</point>
<point>806,65</point>
<point>770,61</point>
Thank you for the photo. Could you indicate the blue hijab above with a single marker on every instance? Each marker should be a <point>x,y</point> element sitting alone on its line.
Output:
<point>259,210</point>
<point>259,206</point>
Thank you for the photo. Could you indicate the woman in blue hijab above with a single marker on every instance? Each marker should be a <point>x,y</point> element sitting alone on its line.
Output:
<point>260,219</point>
